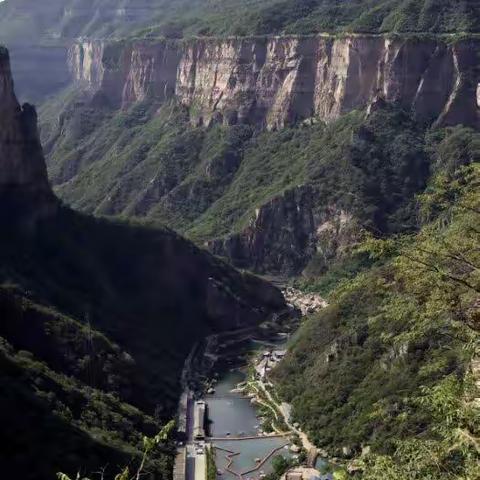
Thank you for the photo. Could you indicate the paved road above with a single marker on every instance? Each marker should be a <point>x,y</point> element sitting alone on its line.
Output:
<point>190,464</point>
<point>189,427</point>
<point>195,464</point>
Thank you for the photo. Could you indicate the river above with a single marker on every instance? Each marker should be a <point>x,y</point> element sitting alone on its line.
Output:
<point>231,416</point>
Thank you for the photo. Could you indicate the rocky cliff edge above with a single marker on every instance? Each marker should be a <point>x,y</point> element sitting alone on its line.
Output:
<point>275,81</point>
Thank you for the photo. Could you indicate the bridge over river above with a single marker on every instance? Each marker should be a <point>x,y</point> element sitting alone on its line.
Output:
<point>233,427</point>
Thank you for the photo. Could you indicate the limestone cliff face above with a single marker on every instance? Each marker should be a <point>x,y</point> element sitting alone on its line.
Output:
<point>275,81</point>
<point>123,74</point>
<point>286,232</point>
<point>23,176</point>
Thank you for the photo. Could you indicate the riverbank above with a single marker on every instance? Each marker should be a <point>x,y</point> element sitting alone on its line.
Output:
<point>261,393</point>
<point>242,449</point>
<point>313,462</point>
<point>208,366</point>
<point>246,419</point>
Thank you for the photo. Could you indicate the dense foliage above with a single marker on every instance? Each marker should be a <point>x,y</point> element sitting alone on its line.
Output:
<point>210,466</point>
<point>62,389</point>
<point>403,337</point>
<point>257,17</point>
<point>68,19</point>
<point>208,182</point>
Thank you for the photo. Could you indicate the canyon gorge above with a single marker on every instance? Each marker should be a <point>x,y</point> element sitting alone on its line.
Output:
<point>259,84</point>
<point>79,297</point>
<point>289,186</point>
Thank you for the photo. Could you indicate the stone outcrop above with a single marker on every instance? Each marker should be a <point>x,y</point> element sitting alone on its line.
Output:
<point>280,237</point>
<point>307,303</point>
<point>24,185</point>
<point>274,81</point>
<point>287,232</point>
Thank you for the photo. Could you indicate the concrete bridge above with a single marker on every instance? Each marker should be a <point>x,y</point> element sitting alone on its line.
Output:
<point>252,437</point>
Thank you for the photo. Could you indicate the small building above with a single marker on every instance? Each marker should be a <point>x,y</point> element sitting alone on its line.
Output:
<point>199,420</point>
<point>302,473</point>
<point>294,476</point>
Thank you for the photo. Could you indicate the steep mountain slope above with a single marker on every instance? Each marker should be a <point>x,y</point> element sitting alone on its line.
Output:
<point>287,193</point>
<point>62,390</point>
<point>253,17</point>
<point>387,371</point>
<point>30,21</point>
<point>97,317</point>
<point>174,131</point>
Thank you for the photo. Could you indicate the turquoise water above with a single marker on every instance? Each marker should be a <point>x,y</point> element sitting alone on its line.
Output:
<point>230,413</point>
<point>248,451</point>
<point>234,414</point>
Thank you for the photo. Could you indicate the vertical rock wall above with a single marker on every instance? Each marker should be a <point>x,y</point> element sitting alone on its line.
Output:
<point>275,81</point>
<point>23,175</point>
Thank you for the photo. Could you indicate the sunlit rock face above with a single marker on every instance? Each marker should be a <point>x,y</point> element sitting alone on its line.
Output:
<point>275,81</point>
<point>23,176</point>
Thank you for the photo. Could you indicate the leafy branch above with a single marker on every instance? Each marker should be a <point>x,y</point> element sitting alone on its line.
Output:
<point>149,444</point>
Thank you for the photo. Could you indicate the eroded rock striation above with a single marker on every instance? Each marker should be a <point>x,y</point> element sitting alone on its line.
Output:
<point>279,238</point>
<point>275,81</point>
<point>286,232</point>
<point>23,175</point>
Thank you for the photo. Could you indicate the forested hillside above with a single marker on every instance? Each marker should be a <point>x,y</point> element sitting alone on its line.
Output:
<point>24,21</point>
<point>207,183</point>
<point>259,17</point>
<point>402,334</point>
<point>85,309</point>
<point>64,396</point>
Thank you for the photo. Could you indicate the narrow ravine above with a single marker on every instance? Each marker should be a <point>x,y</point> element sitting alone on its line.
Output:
<point>244,424</point>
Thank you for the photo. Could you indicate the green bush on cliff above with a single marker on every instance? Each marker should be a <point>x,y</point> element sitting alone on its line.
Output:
<point>72,425</point>
<point>210,466</point>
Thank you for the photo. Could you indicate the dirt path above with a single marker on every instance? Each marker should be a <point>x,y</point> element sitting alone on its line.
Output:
<point>306,443</point>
